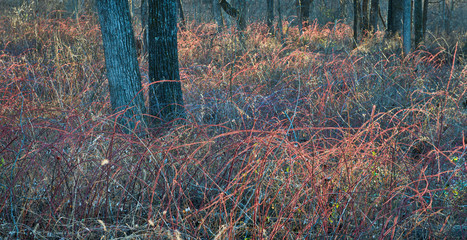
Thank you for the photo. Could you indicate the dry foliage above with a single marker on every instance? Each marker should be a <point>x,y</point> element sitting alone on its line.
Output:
<point>300,139</point>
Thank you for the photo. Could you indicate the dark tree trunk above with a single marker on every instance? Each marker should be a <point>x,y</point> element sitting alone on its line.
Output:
<point>144,25</point>
<point>304,14</point>
<point>356,20</point>
<point>270,15</point>
<point>365,16</point>
<point>121,61</point>
<point>418,22</point>
<point>216,11</point>
<point>165,93</point>
<point>395,15</point>
<point>342,9</point>
<point>447,17</point>
<point>407,6</point>
<point>374,11</point>
<point>425,16</point>
<point>239,15</point>
<point>389,20</point>
<point>242,10</point>
<point>279,20</point>
<point>298,6</point>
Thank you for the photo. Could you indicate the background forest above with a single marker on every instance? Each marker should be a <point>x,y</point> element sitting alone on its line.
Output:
<point>329,127</point>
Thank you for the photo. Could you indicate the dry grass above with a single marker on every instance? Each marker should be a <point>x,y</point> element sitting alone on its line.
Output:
<point>303,139</point>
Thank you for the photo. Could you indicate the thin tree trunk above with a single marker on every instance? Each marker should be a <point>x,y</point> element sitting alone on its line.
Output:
<point>365,18</point>
<point>418,22</point>
<point>242,18</point>
<point>389,20</point>
<point>270,15</point>
<point>398,14</point>
<point>425,17</point>
<point>279,20</point>
<point>374,15</point>
<point>447,18</point>
<point>233,12</point>
<point>407,26</point>
<point>144,25</point>
<point>342,9</point>
<point>356,20</point>
<point>298,6</point>
<point>216,11</point>
<point>165,92</point>
<point>395,15</point>
<point>121,62</point>
<point>305,11</point>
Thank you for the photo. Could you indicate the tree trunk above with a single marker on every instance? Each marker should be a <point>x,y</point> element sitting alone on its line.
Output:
<point>233,12</point>
<point>447,18</point>
<point>165,92</point>
<point>356,20</point>
<point>305,11</point>
<point>374,15</point>
<point>418,22</point>
<point>144,25</point>
<point>216,11</point>
<point>365,16</point>
<point>407,26</point>
<point>270,15</point>
<point>395,15</point>
<point>389,20</point>
<point>121,62</point>
<point>398,14</point>
<point>279,20</point>
<point>298,6</point>
<point>342,9</point>
<point>425,17</point>
<point>242,10</point>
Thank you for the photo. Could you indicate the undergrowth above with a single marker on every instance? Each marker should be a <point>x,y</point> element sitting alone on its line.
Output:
<point>302,138</point>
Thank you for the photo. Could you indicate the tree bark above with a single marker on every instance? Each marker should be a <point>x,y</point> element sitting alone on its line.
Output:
<point>374,15</point>
<point>418,22</point>
<point>389,20</point>
<point>121,62</point>
<point>365,16</point>
<point>425,16</point>
<point>165,92</point>
<point>356,20</point>
<point>398,13</point>
<point>279,20</point>
<point>305,11</point>
<point>447,18</point>
<point>216,11</point>
<point>270,15</point>
<point>298,7</point>
<point>233,12</point>
<point>342,9</point>
<point>242,10</point>
<point>407,26</point>
<point>395,15</point>
<point>144,25</point>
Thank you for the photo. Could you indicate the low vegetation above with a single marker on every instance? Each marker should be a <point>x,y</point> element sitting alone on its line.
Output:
<point>302,138</point>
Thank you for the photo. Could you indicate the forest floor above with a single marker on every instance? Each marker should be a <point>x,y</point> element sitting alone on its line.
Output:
<point>301,138</point>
